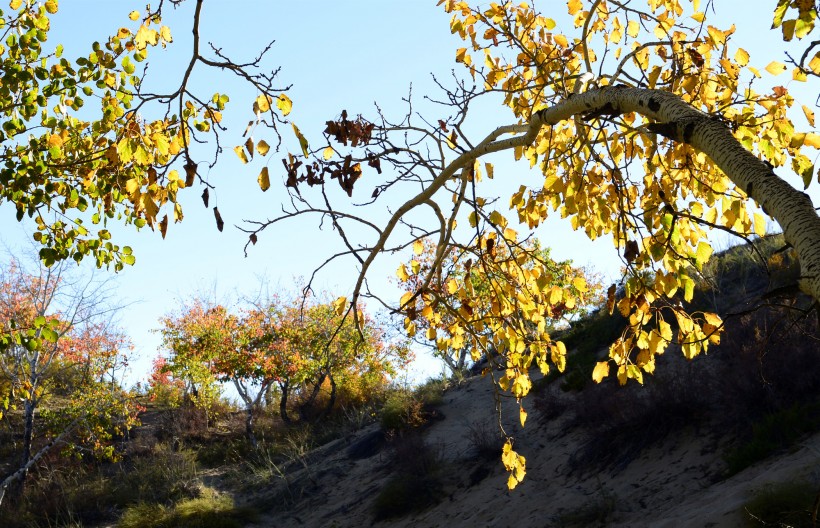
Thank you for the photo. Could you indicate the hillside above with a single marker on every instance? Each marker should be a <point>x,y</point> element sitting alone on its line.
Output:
<point>728,439</point>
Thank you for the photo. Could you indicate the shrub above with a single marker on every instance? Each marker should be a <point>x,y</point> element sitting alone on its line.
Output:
<point>402,411</point>
<point>208,511</point>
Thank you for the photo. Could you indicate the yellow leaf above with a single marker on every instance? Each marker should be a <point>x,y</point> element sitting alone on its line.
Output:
<point>327,153</point>
<point>165,34</point>
<point>339,305</point>
<point>249,147</point>
<point>406,298</point>
<point>452,286</point>
<point>600,371</point>
<point>264,179</point>
<point>132,185</point>
<point>698,17</point>
<point>759,225</point>
<point>489,168</point>
<point>262,103</point>
<point>622,375</point>
<point>742,57</point>
<point>303,142</point>
<point>15,4</point>
<point>134,15</point>
<point>812,140</point>
<point>580,284</point>
<point>776,67</point>
<point>240,151</point>
<point>431,334</point>
<point>814,63</point>
<point>402,274</point>
<point>511,483</point>
<point>262,147</point>
<point>284,104</point>
<point>718,36</point>
<point>809,113</point>
<point>633,28</point>
<point>145,36</point>
<point>418,247</point>
<point>522,415</point>
<point>415,266</point>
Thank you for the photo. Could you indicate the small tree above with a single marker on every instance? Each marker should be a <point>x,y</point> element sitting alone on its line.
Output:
<point>195,336</point>
<point>58,340</point>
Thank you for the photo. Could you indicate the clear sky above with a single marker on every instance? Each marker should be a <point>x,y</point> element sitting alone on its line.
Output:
<point>337,55</point>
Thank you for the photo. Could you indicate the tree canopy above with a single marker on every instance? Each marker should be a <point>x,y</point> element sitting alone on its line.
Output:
<point>648,123</point>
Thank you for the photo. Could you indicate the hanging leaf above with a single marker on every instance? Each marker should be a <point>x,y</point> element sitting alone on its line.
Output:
<point>240,152</point>
<point>262,147</point>
<point>219,223</point>
<point>303,142</point>
<point>284,104</point>
<point>264,179</point>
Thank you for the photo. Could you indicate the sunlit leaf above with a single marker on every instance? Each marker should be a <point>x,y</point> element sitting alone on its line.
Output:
<point>264,179</point>
<point>775,67</point>
<point>240,152</point>
<point>284,104</point>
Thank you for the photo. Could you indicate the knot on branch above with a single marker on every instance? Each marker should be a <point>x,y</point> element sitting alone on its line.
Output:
<point>681,130</point>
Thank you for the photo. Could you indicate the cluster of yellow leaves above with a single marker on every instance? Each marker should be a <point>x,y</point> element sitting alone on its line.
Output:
<point>609,175</point>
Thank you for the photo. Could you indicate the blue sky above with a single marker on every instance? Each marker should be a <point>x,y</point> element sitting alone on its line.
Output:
<point>338,55</point>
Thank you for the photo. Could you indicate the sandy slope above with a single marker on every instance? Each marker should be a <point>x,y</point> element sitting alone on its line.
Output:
<point>673,484</point>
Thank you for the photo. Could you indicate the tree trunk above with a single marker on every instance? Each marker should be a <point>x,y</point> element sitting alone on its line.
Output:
<point>249,426</point>
<point>21,473</point>
<point>332,400</point>
<point>28,438</point>
<point>303,408</point>
<point>283,403</point>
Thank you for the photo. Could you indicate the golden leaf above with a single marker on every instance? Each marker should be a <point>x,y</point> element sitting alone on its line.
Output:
<point>327,153</point>
<point>402,274</point>
<point>600,371</point>
<point>264,179</point>
<point>812,140</point>
<point>303,142</point>
<point>261,103</point>
<point>339,305</point>
<point>262,147</point>
<point>284,104</point>
<point>759,225</point>
<point>418,247</point>
<point>809,113</point>
<point>134,15</point>
<point>240,151</point>
<point>775,67</point>
<point>742,57</point>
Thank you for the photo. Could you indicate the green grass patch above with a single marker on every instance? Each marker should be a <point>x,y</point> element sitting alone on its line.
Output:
<point>774,432</point>
<point>207,511</point>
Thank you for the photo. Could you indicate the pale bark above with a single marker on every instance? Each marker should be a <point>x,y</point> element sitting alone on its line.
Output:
<point>679,121</point>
